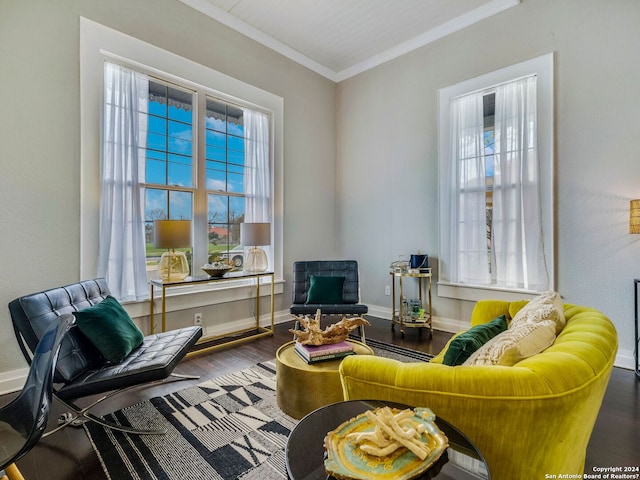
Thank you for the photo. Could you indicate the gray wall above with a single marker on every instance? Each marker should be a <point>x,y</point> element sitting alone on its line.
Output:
<point>387,148</point>
<point>40,137</point>
<point>379,198</point>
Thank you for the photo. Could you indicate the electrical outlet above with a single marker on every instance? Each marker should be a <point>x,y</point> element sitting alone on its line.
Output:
<point>387,289</point>
<point>197,319</point>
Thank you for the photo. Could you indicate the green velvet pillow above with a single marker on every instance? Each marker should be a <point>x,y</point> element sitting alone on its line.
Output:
<point>461,347</point>
<point>110,328</point>
<point>325,289</point>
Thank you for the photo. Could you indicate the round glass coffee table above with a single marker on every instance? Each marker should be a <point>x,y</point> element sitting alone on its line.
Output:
<point>305,451</point>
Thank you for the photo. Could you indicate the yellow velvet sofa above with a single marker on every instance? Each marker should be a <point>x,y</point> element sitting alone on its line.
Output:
<point>529,419</point>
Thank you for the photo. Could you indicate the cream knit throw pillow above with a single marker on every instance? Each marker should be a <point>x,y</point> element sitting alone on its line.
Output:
<point>532,330</point>
<point>547,306</point>
<point>515,344</point>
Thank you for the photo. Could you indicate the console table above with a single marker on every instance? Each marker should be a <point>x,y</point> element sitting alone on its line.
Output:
<point>204,279</point>
<point>400,315</point>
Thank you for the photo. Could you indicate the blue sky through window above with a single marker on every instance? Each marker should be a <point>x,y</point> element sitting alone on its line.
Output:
<point>170,171</point>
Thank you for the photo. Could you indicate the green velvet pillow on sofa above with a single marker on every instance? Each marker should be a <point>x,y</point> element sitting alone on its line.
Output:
<point>110,328</point>
<point>325,289</point>
<point>465,344</point>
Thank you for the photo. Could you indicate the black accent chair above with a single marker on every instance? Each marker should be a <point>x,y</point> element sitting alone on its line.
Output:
<point>24,419</point>
<point>350,306</point>
<point>81,370</point>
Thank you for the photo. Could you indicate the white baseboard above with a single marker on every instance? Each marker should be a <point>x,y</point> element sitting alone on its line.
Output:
<point>13,380</point>
<point>625,359</point>
<point>439,323</point>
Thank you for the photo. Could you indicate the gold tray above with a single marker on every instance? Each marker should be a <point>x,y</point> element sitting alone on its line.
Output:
<point>346,462</point>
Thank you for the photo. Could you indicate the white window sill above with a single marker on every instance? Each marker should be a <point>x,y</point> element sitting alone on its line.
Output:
<point>476,293</point>
<point>185,297</point>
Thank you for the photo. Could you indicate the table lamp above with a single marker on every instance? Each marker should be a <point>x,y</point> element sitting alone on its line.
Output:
<point>254,235</point>
<point>172,234</point>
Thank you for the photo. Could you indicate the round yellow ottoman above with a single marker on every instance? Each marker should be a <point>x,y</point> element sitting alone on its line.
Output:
<point>301,387</point>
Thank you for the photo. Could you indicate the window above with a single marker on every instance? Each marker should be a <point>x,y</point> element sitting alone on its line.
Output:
<point>169,165</point>
<point>225,173</point>
<point>151,151</point>
<point>180,76</point>
<point>170,171</point>
<point>496,178</point>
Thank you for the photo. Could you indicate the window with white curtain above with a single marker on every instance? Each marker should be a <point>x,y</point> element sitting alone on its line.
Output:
<point>175,151</point>
<point>496,182</point>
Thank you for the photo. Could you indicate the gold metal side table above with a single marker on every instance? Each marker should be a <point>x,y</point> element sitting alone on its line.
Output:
<point>400,315</point>
<point>204,279</point>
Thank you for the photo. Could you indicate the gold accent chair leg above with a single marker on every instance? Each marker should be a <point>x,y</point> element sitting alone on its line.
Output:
<point>12,473</point>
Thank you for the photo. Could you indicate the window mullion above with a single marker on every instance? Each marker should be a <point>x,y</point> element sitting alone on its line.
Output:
<point>200,224</point>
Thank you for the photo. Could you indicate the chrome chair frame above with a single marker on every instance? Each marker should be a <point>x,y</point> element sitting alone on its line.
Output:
<point>24,419</point>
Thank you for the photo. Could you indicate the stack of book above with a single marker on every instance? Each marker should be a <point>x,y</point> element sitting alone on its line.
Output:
<point>319,353</point>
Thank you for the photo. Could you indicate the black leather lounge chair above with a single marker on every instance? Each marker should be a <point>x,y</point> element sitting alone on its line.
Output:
<point>346,301</point>
<point>81,370</point>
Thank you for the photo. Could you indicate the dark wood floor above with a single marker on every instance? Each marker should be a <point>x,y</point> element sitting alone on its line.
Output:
<point>67,454</point>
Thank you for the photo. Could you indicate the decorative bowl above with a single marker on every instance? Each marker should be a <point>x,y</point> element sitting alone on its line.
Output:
<point>216,271</point>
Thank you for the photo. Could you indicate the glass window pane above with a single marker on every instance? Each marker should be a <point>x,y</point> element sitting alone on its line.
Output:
<point>216,139</point>
<point>214,153</point>
<point>236,143</point>
<point>218,237</point>
<point>156,155</point>
<point>156,172</point>
<point>157,142</point>
<point>236,161</point>
<point>156,204</point>
<point>180,175</point>
<point>236,168</point>
<point>216,179</point>
<point>180,105</point>
<point>180,136</point>
<point>156,108</point>
<point>236,129</point>
<point>234,121</point>
<point>216,115</point>
<point>180,205</point>
<point>218,209</point>
<point>157,125</point>
<point>235,183</point>
<point>157,99</point>
<point>236,209</point>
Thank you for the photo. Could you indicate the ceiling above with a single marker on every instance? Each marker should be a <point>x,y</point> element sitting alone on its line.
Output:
<point>341,38</point>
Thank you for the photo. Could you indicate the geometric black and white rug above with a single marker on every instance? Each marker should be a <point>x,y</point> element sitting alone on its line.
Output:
<point>225,428</point>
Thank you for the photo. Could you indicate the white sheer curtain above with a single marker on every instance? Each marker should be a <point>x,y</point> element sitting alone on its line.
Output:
<point>122,257</point>
<point>464,229</point>
<point>517,232</point>
<point>257,175</point>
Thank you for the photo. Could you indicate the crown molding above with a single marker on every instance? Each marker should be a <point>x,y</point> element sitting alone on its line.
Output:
<point>458,23</point>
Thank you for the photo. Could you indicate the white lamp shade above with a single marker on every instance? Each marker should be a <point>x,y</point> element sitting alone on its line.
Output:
<point>172,233</point>
<point>254,234</point>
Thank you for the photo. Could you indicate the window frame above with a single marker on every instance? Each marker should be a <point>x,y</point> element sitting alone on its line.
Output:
<point>543,68</point>
<point>98,42</point>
